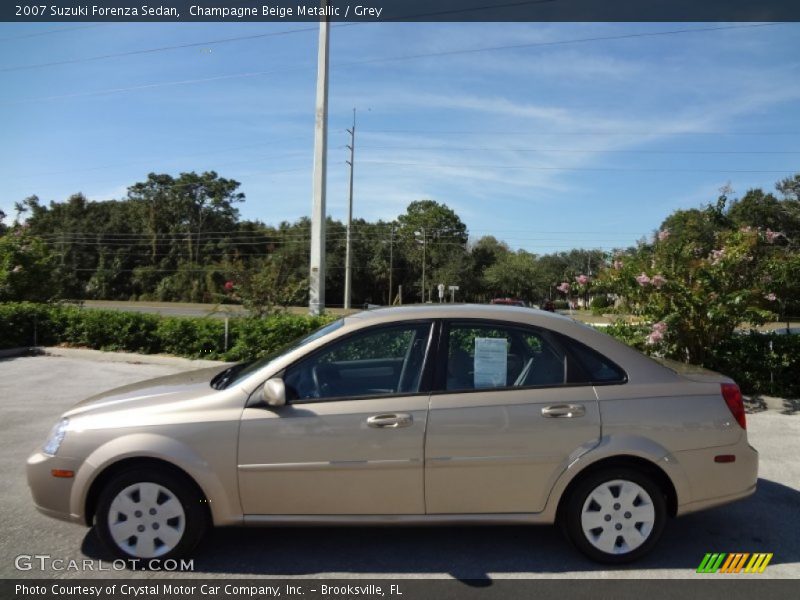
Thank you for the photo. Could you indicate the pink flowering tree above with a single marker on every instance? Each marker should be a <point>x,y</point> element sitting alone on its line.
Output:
<point>582,286</point>
<point>690,298</point>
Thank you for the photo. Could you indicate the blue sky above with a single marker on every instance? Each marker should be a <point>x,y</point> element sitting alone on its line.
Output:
<point>549,146</point>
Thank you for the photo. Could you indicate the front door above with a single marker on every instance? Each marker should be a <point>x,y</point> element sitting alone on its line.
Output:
<point>350,439</point>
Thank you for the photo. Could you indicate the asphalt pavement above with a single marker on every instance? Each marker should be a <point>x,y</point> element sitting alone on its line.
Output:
<point>35,390</point>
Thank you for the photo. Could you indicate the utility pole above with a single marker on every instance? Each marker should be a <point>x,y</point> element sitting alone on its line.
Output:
<point>316,279</point>
<point>391,264</point>
<point>424,247</point>
<point>347,268</point>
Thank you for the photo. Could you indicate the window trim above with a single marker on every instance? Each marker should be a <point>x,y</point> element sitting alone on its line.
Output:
<point>425,378</point>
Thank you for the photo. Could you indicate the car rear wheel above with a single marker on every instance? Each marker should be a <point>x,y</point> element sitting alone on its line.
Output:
<point>615,515</point>
<point>150,514</point>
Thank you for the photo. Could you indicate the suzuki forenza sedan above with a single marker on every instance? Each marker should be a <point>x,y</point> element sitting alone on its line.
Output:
<point>416,415</point>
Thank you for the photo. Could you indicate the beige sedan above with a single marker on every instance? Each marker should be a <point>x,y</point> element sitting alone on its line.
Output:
<point>441,414</point>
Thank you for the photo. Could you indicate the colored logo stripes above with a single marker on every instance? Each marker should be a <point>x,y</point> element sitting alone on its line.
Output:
<point>735,562</point>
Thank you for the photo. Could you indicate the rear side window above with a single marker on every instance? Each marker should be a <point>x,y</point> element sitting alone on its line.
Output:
<point>593,367</point>
<point>498,356</point>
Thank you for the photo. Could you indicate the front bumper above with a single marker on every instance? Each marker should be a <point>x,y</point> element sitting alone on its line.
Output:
<point>51,495</point>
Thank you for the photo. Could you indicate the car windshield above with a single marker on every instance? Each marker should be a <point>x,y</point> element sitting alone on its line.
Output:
<point>241,370</point>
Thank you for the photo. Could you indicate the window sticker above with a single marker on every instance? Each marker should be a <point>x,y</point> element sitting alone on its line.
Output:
<point>491,355</point>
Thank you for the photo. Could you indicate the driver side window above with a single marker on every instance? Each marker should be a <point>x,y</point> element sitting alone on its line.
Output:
<point>377,362</point>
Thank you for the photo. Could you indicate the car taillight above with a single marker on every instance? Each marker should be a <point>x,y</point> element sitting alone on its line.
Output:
<point>733,398</point>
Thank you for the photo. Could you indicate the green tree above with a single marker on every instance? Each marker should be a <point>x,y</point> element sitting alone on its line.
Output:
<point>265,285</point>
<point>433,234</point>
<point>25,267</point>
<point>517,274</point>
<point>760,210</point>
<point>188,205</point>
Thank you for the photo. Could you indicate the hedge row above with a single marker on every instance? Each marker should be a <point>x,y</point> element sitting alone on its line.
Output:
<point>27,324</point>
<point>761,363</point>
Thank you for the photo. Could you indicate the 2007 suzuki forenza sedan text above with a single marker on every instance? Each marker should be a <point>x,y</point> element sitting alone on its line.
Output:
<point>431,414</point>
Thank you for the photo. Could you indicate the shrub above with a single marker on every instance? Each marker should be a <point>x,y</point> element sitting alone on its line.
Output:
<point>761,363</point>
<point>601,304</point>
<point>25,324</point>
<point>632,334</point>
<point>560,304</point>
<point>28,324</point>
<point>194,337</point>
<point>254,337</point>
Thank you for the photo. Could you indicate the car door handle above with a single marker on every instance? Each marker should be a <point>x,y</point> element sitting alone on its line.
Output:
<point>390,421</point>
<point>564,411</point>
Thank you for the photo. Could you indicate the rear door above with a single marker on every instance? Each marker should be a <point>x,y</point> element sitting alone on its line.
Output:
<point>504,420</point>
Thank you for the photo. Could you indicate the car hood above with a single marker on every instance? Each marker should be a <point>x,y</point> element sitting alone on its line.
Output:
<point>151,392</point>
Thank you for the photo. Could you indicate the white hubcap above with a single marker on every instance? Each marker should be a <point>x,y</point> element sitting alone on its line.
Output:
<point>146,520</point>
<point>618,516</point>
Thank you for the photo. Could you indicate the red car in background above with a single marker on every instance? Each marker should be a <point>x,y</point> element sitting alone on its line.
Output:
<point>508,302</point>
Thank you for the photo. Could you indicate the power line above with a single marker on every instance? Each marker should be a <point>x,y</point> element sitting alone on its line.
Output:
<point>415,148</point>
<point>155,50</point>
<point>392,59</point>
<point>227,40</point>
<point>559,43</point>
<point>151,161</point>
<point>577,151</point>
<point>148,86</point>
<point>578,133</point>
<point>599,169</point>
<point>50,32</point>
<point>247,235</point>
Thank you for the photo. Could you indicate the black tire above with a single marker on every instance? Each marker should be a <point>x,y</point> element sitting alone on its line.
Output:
<point>183,532</point>
<point>615,523</point>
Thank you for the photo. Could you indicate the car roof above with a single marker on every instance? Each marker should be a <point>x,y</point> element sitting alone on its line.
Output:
<point>502,312</point>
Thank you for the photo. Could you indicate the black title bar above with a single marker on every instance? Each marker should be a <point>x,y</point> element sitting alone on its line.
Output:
<point>401,10</point>
<point>731,588</point>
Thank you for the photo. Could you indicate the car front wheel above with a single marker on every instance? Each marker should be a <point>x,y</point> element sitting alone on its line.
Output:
<point>615,516</point>
<point>150,514</point>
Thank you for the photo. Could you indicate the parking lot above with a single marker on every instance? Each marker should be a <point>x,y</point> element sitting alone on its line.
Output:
<point>35,390</point>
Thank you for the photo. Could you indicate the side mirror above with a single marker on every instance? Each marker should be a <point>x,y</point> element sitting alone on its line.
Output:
<point>274,392</point>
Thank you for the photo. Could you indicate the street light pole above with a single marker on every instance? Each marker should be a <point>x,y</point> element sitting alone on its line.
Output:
<point>316,279</point>
<point>347,267</point>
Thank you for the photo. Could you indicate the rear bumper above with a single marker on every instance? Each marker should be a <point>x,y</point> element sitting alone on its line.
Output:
<point>712,502</point>
<point>713,484</point>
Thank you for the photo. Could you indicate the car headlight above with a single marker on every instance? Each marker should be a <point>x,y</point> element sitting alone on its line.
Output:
<point>56,437</point>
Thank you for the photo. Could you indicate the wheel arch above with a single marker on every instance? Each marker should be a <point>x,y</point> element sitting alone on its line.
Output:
<point>137,462</point>
<point>643,465</point>
<point>218,487</point>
